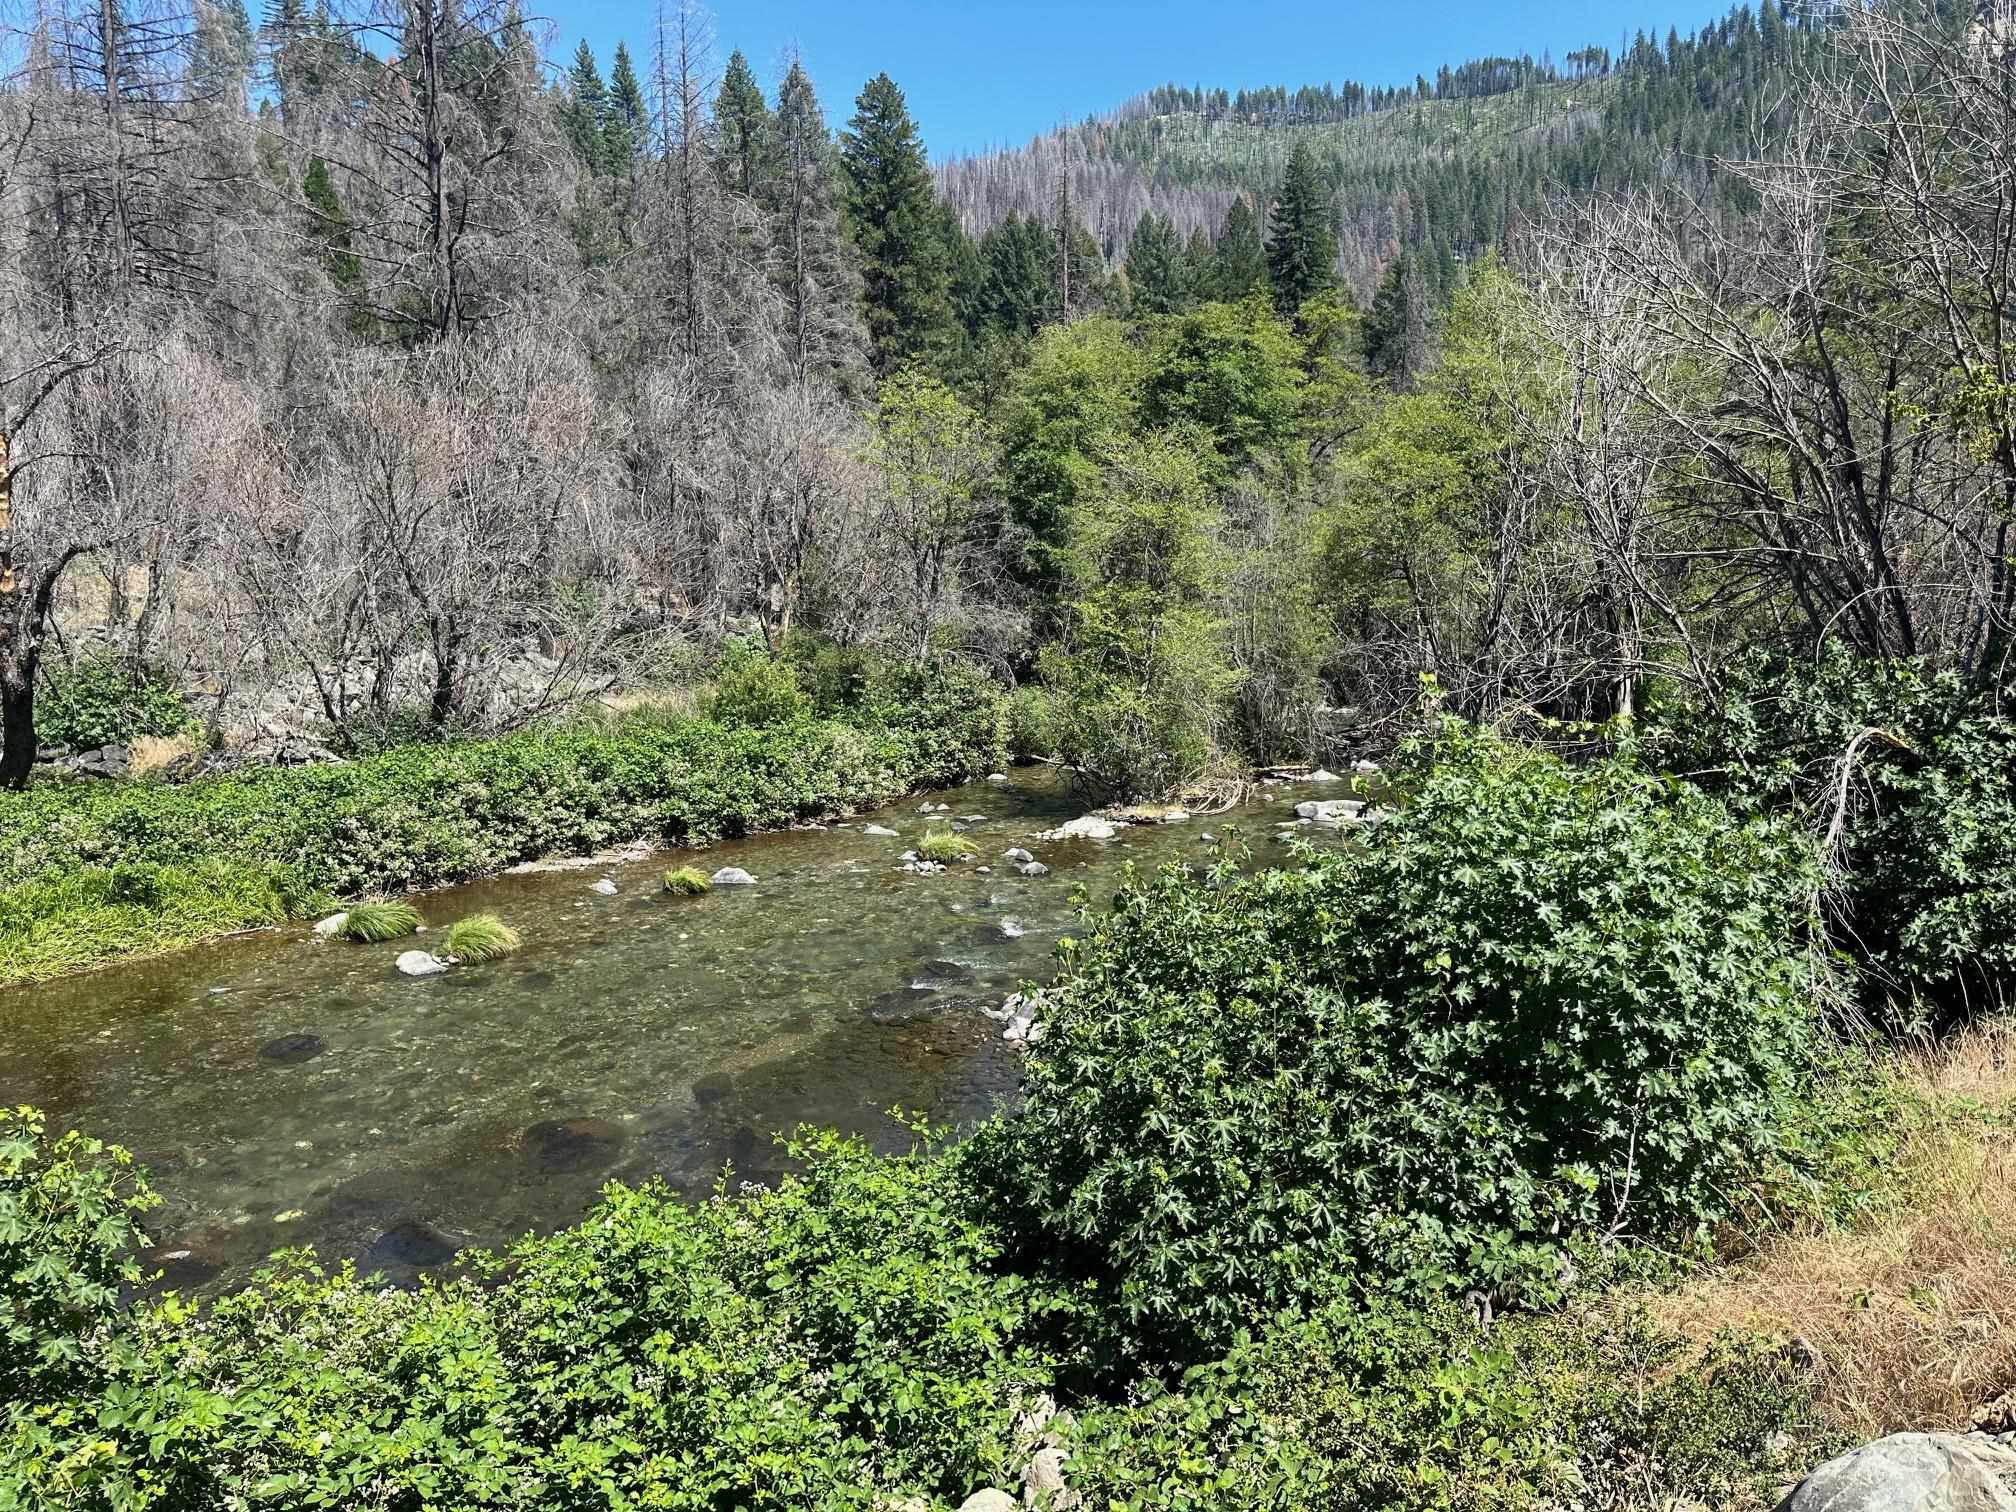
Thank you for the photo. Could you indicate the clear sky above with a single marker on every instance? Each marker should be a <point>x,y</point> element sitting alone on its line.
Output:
<point>987,74</point>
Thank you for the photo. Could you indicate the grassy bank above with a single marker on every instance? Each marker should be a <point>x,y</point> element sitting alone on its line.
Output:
<point>93,872</point>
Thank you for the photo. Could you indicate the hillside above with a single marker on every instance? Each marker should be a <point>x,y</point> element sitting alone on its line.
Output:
<point>1450,166</point>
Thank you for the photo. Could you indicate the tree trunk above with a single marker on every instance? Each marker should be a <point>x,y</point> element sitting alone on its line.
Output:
<point>17,721</point>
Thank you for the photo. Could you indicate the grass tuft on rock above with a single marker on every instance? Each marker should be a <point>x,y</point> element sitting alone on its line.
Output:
<point>687,881</point>
<point>373,923</point>
<point>481,937</point>
<point>943,846</point>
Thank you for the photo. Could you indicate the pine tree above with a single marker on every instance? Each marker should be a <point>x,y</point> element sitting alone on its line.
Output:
<point>821,300</point>
<point>626,121</point>
<point>1239,262</point>
<point>1396,327</point>
<point>742,122</point>
<point>892,218</point>
<point>1156,271</point>
<point>582,114</point>
<point>1301,242</point>
<point>1015,281</point>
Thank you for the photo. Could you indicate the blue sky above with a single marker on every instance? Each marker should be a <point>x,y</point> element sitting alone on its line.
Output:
<point>985,74</point>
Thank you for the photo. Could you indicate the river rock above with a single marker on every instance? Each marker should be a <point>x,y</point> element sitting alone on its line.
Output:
<point>1085,827</point>
<point>990,1500</point>
<point>418,963</point>
<point>1908,1472</point>
<point>1043,1480</point>
<point>572,1144</point>
<point>332,926</point>
<point>1033,869</point>
<point>1330,810</point>
<point>1322,775</point>
<point>605,886</point>
<point>1010,930</point>
<point>922,868</point>
<point>732,876</point>
<point>1018,855</point>
<point>1365,768</point>
<point>410,1244</point>
<point>292,1049</point>
<point>879,830</point>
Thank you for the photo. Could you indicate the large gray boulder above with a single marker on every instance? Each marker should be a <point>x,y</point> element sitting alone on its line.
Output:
<point>990,1500</point>
<point>1909,1472</point>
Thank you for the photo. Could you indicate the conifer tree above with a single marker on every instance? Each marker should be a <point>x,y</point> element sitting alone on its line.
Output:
<point>1015,281</point>
<point>1239,262</point>
<point>582,115</point>
<point>1396,327</point>
<point>1156,271</point>
<point>1301,242</point>
<point>626,122</point>
<point>329,230</point>
<point>893,220</point>
<point>742,123</point>
<point>820,297</point>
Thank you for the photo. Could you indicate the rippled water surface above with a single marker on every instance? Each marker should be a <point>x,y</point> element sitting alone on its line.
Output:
<point>288,1090</point>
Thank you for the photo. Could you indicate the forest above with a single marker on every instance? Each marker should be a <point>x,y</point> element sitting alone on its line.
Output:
<point>422,459</point>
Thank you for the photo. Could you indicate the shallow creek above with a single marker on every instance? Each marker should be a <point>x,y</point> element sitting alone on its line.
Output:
<point>287,1090</point>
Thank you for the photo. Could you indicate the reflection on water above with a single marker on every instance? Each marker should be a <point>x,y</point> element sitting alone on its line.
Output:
<point>286,1090</point>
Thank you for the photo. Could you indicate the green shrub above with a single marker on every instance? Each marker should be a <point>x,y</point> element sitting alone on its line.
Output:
<point>1032,723</point>
<point>69,1215</point>
<point>1540,1003</point>
<point>1930,840</point>
<point>481,937</point>
<point>105,700</point>
<point>754,690</point>
<point>944,846</point>
<point>375,921</point>
<point>370,731</point>
<point>689,881</point>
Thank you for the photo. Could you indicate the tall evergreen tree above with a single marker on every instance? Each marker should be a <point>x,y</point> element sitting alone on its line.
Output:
<point>821,301</point>
<point>893,219</point>
<point>1016,293</point>
<point>582,114</point>
<point>1239,262</point>
<point>329,230</point>
<point>626,122</point>
<point>1301,242</point>
<point>1396,327</point>
<point>1156,271</point>
<point>742,123</point>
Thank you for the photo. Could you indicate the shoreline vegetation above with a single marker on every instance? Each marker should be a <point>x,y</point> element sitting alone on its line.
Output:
<point>94,872</point>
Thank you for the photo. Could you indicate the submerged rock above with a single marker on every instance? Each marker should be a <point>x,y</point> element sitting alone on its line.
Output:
<point>605,886</point>
<point>572,1144</point>
<point>1010,929</point>
<point>732,876</point>
<point>1909,1472</point>
<point>1033,869</point>
<point>1322,775</point>
<point>418,963</point>
<point>410,1244</point>
<point>880,830</point>
<point>292,1049</point>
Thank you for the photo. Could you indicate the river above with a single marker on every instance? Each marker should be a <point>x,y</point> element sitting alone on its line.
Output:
<point>288,1090</point>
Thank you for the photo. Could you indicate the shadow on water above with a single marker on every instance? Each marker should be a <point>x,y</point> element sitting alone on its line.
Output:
<point>286,1090</point>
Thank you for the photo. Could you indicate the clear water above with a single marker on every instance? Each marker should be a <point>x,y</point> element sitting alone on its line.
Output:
<point>288,1090</point>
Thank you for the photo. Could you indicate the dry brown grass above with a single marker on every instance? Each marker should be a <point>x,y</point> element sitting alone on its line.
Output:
<point>148,755</point>
<point>1912,1315</point>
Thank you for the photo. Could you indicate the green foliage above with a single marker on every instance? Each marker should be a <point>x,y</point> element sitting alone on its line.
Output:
<point>1158,278</point>
<point>1032,723</point>
<point>1143,679</point>
<point>69,1221</point>
<point>1929,839</point>
<point>104,700</point>
<point>893,221</point>
<point>262,845</point>
<point>1238,261</point>
<point>1232,373</point>
<point>687,881</point>
<point>1539,1003</point>
<point>481,937</point>
<point>373,922</point>
<point>944,846</point>
<point>1301,235</point>
<point>754,690</point>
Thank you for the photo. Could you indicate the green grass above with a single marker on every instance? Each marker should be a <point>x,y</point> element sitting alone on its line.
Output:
<point>481,937</point>
<point>687,881</point>
<point>373,923</point>
<point>942,846</point>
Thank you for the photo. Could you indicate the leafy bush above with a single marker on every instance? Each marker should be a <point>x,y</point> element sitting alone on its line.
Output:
<point>371,731</point>
<point>688,881</point>
<point>104,700</point>
<point>69,1214</point>
<point>1930,838</point>
<point>754,690</point>
<point>1540,1003</point>
<point>481,937</point>
<point>1032,723</point>
<point>375,921</point>
<point>943,846</point>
